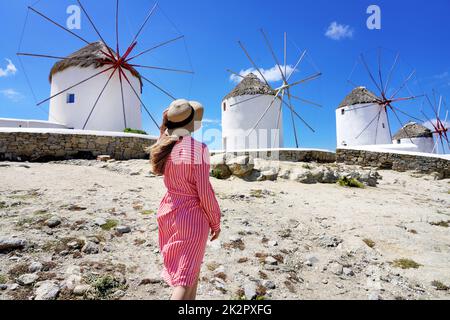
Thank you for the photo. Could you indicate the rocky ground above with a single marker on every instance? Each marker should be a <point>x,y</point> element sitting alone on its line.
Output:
<point>87,230</point>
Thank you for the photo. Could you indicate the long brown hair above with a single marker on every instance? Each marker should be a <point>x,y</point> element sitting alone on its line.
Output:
<point>161,151</point>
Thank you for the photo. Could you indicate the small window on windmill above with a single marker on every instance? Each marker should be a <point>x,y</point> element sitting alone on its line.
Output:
<point>224,106</point>
<point>343,111</point>
<point>399,141</point>
<point>70,98</point>
<point>384,127</point>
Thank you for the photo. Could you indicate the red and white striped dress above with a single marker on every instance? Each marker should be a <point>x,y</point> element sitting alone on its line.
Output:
<point>187,213</point>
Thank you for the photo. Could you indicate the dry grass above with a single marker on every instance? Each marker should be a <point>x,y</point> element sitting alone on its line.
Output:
<point>406,264</point>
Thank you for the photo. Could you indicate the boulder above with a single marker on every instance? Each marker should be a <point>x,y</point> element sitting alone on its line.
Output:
<point>240,166</point>
<point>219,169</point>
<point>27,279</point>
<point>47,290</point>
<point>10,244</point>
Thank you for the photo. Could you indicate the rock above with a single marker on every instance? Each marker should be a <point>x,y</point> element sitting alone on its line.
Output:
<point>272,243</point>
<point>47,290</point>
<point>100,222</point>
<point>73,245</point>
<point>330,177</point>
<point>118,294</point>
<point>220,269</point>
<point>81,289</point>
<point>72,282</point>
<point>370,178</point>
<point>90,248</point>
<point>123,229</point>
<point>240,166</point>
<point>27,279</point>
<point>219,169</point>
<point>325,281</point>
<point>348,272</point>
<point>35,266</point>
<point>10,244</point>
<point>13,287</point>
<point>250,290</point>
<point>336,268</point>
<point>269,175</point>
<point>271,261</point>
<point>327,241</point>
<point>53,222</point>
<point>104,158</point>
<point>3,287</point>
<point>269,284</point>
<point>374,296</point>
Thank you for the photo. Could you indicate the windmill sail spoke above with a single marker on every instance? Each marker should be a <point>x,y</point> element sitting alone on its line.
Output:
<point>401,124</point>
<point>379,72</point>
<point>299,116</point>
<point>378,124</point>
<point>111,54</point>
<point>370,73</point>
<point>162,69</point>
<point>245,100</point>
<point>369,124</point>
<point>117,28</point>
<point>159,88</point>
<point>140,100</point>
<point>155,47</point>
<point>391,71</point>
<point>40,55</point>
<point>297,64</point>
<point>235,73</point>
<point>307,101</point>
<point>407,114</point>
<point>310,78</point>
<point>98,98</point>
<point>403,84</point>
<point>362,107</point>
<point>152,11</point>
<point>274,56</point>
<point>58,25</point>
<point>292,118</point>
<point>75,85</point>
<point>253,63</point>
<point>122,96</point>
<point>265,112</point>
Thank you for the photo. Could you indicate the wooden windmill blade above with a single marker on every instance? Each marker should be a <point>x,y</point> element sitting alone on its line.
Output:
<point>116,63</point>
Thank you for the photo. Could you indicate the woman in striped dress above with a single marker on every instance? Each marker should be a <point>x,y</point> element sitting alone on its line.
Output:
<point>189,211</point>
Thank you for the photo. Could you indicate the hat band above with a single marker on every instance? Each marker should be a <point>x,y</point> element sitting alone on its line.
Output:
<point>175,125</point>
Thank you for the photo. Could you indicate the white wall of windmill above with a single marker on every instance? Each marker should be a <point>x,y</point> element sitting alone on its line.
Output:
<point>352,120</point>
<point>108,114</point>
<point>238,120</point>
<point>423,144</point>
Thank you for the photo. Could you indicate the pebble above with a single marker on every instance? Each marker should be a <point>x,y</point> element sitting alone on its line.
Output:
<point>374,296</point>
<point>35,266</point>
<point>72,282</point>
<point>53,222</point>
<point>271,261</point>
<point>123,229</point>
<point>269,284</point>
<point>81,289</point>
<point>3,287</point>
<point>91,248</point>
<point>27,279</point>
<point>118,294</point>
<point>10,244</point>
<point>325,281</point>
<point>336,268</point>
<point>348,272</point>
<point>100,222</point>
<point>272,243</point>
<point>250,291</point>
<point>13,287</point>
<point>47,290</point>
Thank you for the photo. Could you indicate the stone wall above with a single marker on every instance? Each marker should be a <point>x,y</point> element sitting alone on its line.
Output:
<point>289,155</point>
<point>395,161</point>
<point>48,146</point>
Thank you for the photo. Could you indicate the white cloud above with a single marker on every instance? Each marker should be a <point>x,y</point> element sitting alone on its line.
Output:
<point>11,94</point>
<point>338,31</point>
<point>272,75</point>
<point>10,69</point>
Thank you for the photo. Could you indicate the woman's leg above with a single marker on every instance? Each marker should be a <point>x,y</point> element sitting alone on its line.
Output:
<point>193,293</point>
<point>180,293</point>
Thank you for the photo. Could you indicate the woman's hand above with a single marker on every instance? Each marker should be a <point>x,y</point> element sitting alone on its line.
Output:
<point>215,235</point>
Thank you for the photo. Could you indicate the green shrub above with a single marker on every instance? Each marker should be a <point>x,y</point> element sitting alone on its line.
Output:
<point>3,279</point>
<point>406,264</point>
<point>136,131</point>
<point>439,285</point>
<point>352,183</point>
<point>110,224</point>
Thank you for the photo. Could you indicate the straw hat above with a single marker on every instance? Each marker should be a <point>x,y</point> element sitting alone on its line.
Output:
<point>184,117</point>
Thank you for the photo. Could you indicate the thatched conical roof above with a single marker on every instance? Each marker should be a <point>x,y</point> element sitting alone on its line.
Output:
<point>413,130</point>
<point>359,95</point>
<point>90,55</point>
<point>250,85</point>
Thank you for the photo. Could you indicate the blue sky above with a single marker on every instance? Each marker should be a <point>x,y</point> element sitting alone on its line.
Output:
<point>417,29</point>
